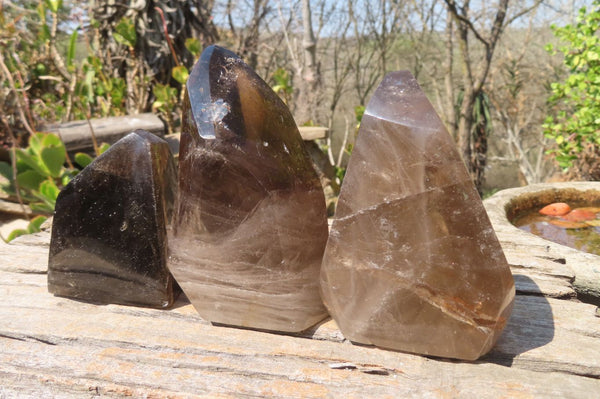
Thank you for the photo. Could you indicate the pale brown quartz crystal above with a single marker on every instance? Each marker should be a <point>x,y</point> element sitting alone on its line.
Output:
<point>412,262</point>
<point>250,225</point>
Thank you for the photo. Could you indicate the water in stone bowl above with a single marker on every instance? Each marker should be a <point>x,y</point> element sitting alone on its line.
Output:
<point>576,225</point>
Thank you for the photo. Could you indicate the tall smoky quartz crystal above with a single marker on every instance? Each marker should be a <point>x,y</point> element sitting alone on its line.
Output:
<point>109,232</point>
<point>250,226</point>
<point>412,262</point>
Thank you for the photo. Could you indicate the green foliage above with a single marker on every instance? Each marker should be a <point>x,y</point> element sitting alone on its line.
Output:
<point>340,172</point>
<point>193,46</point>
<point>41,175</point>
<point>283,84</point>
<point>71,50</point>
<point>575,124</point>
<point>180,74</point>
<point>482,116</point>
<point>54,70</point>
<point>103,148</point>
<point>82,159</point>
<point>98,90</point>
<point>40,172</point>
<point>54,5</point>
<point>359,111</point>
<point>43,73</point>
<point>33,227</point>
<point>166,98</point>
<point>125,33</point>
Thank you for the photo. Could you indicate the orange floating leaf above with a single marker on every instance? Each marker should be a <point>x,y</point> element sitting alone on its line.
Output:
<point>579,215</point>
<point>594,209</point>
<point>556,209</point>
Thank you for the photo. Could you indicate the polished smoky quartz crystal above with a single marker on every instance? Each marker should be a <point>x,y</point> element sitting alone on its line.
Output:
<point>109,234</point>
<point>412,262</point>
<point>250,226</point>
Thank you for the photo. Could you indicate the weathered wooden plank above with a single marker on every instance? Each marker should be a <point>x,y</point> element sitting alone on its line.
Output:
<point>77,135</point>
<point>80,367</point>
<point>40,239</point>
<point>309,133</point>
<point>149,353</point>
<point>24,259</point>
<point>12,208</point>
<point>538,332</point>
<point>51,346</point>
<point>539,274</point>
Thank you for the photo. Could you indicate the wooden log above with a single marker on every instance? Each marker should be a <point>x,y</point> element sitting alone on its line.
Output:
<point>310,133</point>
<point>57,347</point>
<point>77,135</point>
<point>13,208</point>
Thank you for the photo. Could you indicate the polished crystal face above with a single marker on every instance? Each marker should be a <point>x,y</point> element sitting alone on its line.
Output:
<point>109,231</point>
<point>250,226</point>
<point>412,262</point>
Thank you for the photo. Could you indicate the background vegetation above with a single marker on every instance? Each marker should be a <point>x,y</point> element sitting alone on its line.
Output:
<point>484,65</point>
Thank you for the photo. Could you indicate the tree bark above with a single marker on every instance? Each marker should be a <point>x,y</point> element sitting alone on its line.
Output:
<point>473,85</point>
<point>309,90</point>
<point>249,48</point>
<point>449,72</point>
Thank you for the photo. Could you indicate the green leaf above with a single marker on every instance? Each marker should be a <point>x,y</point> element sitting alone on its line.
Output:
<point>51,139</point>
<point>72,46</point>
<point>40,69</point>
<point>35,224</point>
<point>193,45</point>
<point>125,33</point>
<point>180,73</point>
<point>49,191</point>
<point>54,5</point>
<point>44,33</point>
<point>27,161</point>
<point>30,180</point>
<point>67,176</point>
<point>359,111</point>
<point>15,233</point>
<point>282,81</point>
<point>160,92</point>
<point>53,154</point>
<point>103,148</point>
<point>54,158</point>
<point>88,82</point>
<point>35,143</point>
<point>83,159</point>
<point>118,92</point>
<point>41,11</point>
<point>6,171</point>
<point>165,97</point>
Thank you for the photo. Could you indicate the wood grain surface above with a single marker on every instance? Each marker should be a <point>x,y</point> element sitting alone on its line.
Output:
<point>57,347</point>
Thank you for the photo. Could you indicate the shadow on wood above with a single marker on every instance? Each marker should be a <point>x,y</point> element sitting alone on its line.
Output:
<point>531,326</point>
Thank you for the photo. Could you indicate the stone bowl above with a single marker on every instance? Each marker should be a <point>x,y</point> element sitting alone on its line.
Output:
<point>505,204</point>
